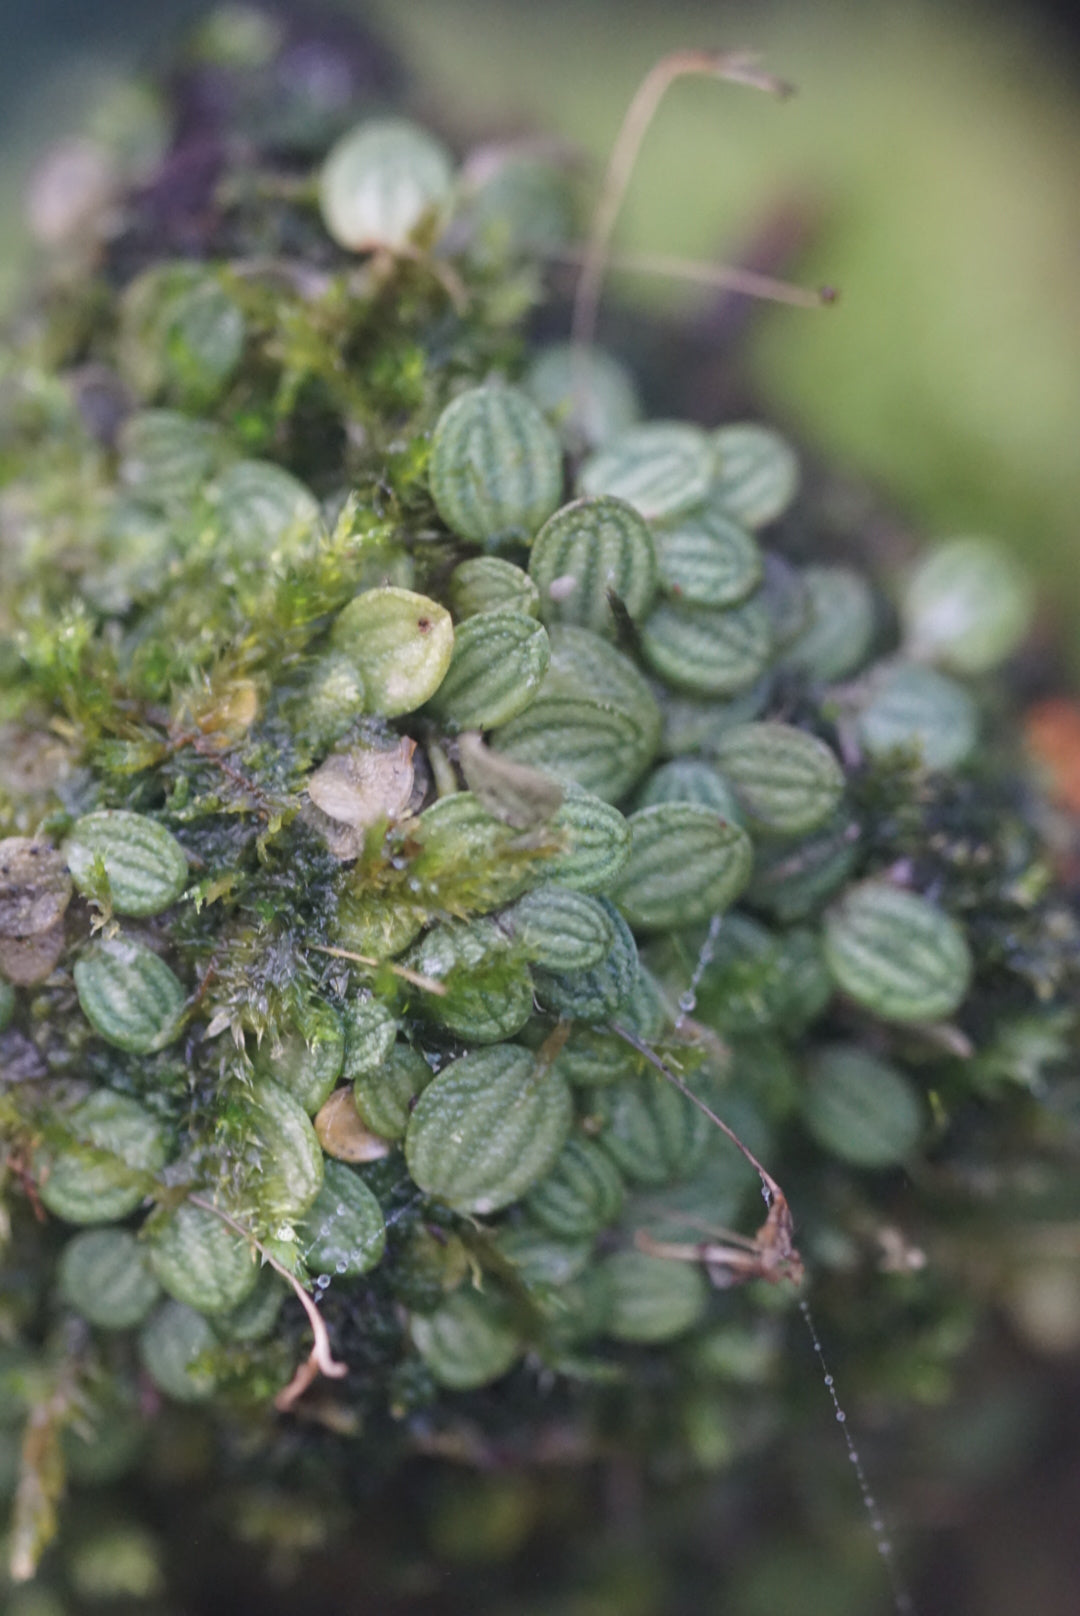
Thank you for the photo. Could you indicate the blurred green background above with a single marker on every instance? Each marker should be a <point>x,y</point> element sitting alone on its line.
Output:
<point>931,152</point>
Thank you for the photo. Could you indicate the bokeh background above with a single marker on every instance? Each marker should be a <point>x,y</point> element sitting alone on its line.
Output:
<point>929,169</point>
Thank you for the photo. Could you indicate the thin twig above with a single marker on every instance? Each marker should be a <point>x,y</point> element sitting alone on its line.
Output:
<point>322,1360</point>
<point>428,983</point>
<point>725,277</point>
<point>734,67</point>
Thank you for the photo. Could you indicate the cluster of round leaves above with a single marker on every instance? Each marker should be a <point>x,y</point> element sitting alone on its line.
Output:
<point>614,622</point>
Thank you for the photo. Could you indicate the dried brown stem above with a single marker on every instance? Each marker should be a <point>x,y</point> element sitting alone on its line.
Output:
<point>735,67</point>
<point>428,983</point>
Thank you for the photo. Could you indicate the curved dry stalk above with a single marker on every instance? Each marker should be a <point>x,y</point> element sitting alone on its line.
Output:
<point>322,1360</point>
<point>721,277</point>
<point>734,67</point>
<point>428,983</point>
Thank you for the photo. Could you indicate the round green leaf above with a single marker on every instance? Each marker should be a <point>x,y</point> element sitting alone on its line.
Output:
<point>129,995</point>
<point>840,631</point>
<point>381,182</point>
<point>912,708</point>
<point>344,1227</point>
<point>103,1274</point>
<point>490,584</point>
<point>370,1030</point>
<point>707,559</point>
<point>861,1109</point>
<point>496,466</point>
<point>691,780</point>
<point>171,1345</point>
<point>587,552</point>
<point>661,468</point>
<point>489,992</point>
<point>105,1172</point>
<point>261,508</point>
<point>400,644</point>
<point>597,842</point>
<point>166,458</point>
<point>200,1260</point>
<point>498,665</point>
<point>384,1097</point>
<point>559,928</point>
<point>488,1128</point>
<point>652,1299</point>
<point>581,1195</point>
<point>897,954</point>
<point>711,651</point>
<point>467,1342</point>
<point>686,864</point>
<point>588,395</point>
<point>785,781</point>
<point>308,1060</point>
<point>968,605</point>
<point>291,1161</point>
<point>145,867</point>
<point>651,1131</point>
<point>755,475</point>
<point>596,993</point>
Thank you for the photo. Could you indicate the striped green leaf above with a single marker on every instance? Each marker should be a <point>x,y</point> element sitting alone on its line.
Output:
<point>594,994</point>
<point>489,992</point>
<point>254,1318</point>
<point>541,1259</point>
<point>755,474</point>
<point>707,559</point>
<point>842,619</point>
<point>384,1097</point>
<point>370,1030</point>
<point>487,861</point>
<point>383,181</point>
<point>691,725</point>
<point>144,866</point>
<point>167,458</point>
<point>652,1299</point>
<point>129,995</point>
<point>793,879</point>
<point>560,929</point>
<point>661,468</point>
<point>592,744</point>
<point>496,466</point>
<point>592,1056</point>
<point>911,708</point>
<point>762,981</point>
<point>104,1275</point>
<point>587,394</point>
<point>685,864</point>
<point>291,1169</point>
<point>467,1342</point>
<point>691,780</point>
<point>344,1232</point>
<point>581,1195</point>
<point>308,1060</point>
<point>897,954</point>
<point>786,781</point>
<point>860,1108</point>
<point>400,643</point>
<point>105,1170</point>
<point>498,665</point>
<point>596,839</point>
<point>968,604</point>
<point>181,335</point>
<point>200,1260</point>
<point>261,508</point>
<point>587,552</point>
<point>172,1345</point>
<point>651,1132</point>
<point>711,651</point>
<point>487,1129</point>
<point>490,584</point>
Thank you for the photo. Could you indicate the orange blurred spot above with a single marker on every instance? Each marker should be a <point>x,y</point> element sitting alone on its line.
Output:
<point>1052,733</point>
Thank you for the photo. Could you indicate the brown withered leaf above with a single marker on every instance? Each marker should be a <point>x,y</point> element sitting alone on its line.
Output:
<point>26,960</point>
<point>343,1136</point>
<point>35,887</point>
<point>516,794</point>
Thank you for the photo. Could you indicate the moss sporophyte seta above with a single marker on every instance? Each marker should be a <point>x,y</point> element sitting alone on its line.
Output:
<point>430,788</point>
